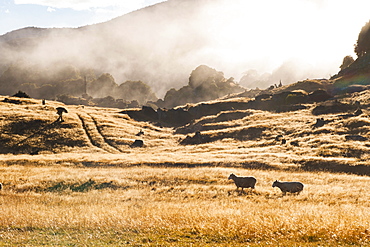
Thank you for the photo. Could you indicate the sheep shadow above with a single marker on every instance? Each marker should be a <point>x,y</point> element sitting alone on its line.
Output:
<point>253,193</point>
<point>34,125</point>
<point>29,130</point>
<point>247,192</point>
<point>280,195</point>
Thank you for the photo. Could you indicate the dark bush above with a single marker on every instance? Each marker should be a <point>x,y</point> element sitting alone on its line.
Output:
<point>363,42</point>
<point>21,94</point>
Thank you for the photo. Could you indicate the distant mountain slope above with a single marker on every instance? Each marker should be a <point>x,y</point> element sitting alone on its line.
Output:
<point>23,33</point>
<point>158,45</point>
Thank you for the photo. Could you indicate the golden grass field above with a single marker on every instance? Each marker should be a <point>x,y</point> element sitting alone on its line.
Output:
<point>85,186</point>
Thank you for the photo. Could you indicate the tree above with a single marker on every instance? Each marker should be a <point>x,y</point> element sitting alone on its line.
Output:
<point>21,94</point>
<point>204,74</point>
<point>347,61</point>
<point>363,41</point>
<point>135,90</point>
<point>103,86</point>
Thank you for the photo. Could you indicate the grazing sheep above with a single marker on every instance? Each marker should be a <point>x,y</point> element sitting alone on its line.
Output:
<point>291,187</point>
<point>60,111</point>
<point>319,123</point>
<point>137,144</point>
<point>243,182</point>
<point>294,143</point>
<point>279,138</point>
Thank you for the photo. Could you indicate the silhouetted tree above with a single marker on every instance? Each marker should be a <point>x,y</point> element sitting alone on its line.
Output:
<point>170,97</point>
<point>203,74</point>
<point>72,100</point>
<point>107,101</point>
<point>363,41</point>
<point>21,94</point>
<point>103,86</point>
<point>205,84</point>
<point>347,61</point>
<point>135,90</point>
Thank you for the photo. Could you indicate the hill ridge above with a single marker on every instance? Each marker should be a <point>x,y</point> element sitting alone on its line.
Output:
<point>330,133</point>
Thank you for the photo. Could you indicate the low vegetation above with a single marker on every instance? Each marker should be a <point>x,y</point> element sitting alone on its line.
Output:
<point>141,205</point>
<point>81,182</point>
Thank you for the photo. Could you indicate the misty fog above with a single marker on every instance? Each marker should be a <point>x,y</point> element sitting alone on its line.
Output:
<point>258,45</point>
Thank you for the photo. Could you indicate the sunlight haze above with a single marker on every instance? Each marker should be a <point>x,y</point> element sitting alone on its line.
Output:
<point>289,39</point>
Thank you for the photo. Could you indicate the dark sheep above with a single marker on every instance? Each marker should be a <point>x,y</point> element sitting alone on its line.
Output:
<point>243,182</point>
<point>319,123</point>
<point>294,143</point>
<point>279,138</point>
<point>137,144</point>
<point>291,187</point>
<point>60,111</point>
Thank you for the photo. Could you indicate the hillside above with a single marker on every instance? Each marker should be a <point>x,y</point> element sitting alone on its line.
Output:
<point>87,180</point>
<point>89,155</point>
<point>158,45</point>
<point>353,78</point>
<point>324,135</point>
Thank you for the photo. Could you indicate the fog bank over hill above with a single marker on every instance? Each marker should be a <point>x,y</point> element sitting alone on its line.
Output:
<point>161,44</point>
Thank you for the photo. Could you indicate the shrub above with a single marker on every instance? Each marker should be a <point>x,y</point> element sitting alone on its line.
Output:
<point>363,41</point>
<point>21,94</point>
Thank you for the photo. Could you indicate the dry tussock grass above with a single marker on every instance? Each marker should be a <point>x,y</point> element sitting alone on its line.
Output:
<point>233,141</point>
<point>103,192</point>
<point>173,206</point>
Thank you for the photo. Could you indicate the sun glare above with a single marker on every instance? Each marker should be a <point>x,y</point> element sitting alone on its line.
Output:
<point>265,34</point>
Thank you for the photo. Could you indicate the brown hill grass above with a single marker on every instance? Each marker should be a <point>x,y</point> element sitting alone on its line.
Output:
<point>29,131</point>
<point>81,183</point>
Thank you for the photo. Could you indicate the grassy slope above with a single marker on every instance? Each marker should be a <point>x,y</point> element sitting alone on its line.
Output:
<point>92,134</point>
<point>87,186</point>
<point>146,206</point>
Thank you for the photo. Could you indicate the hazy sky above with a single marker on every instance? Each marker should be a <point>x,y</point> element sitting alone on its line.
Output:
<point>15,14</point>
<point>309,38</point>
